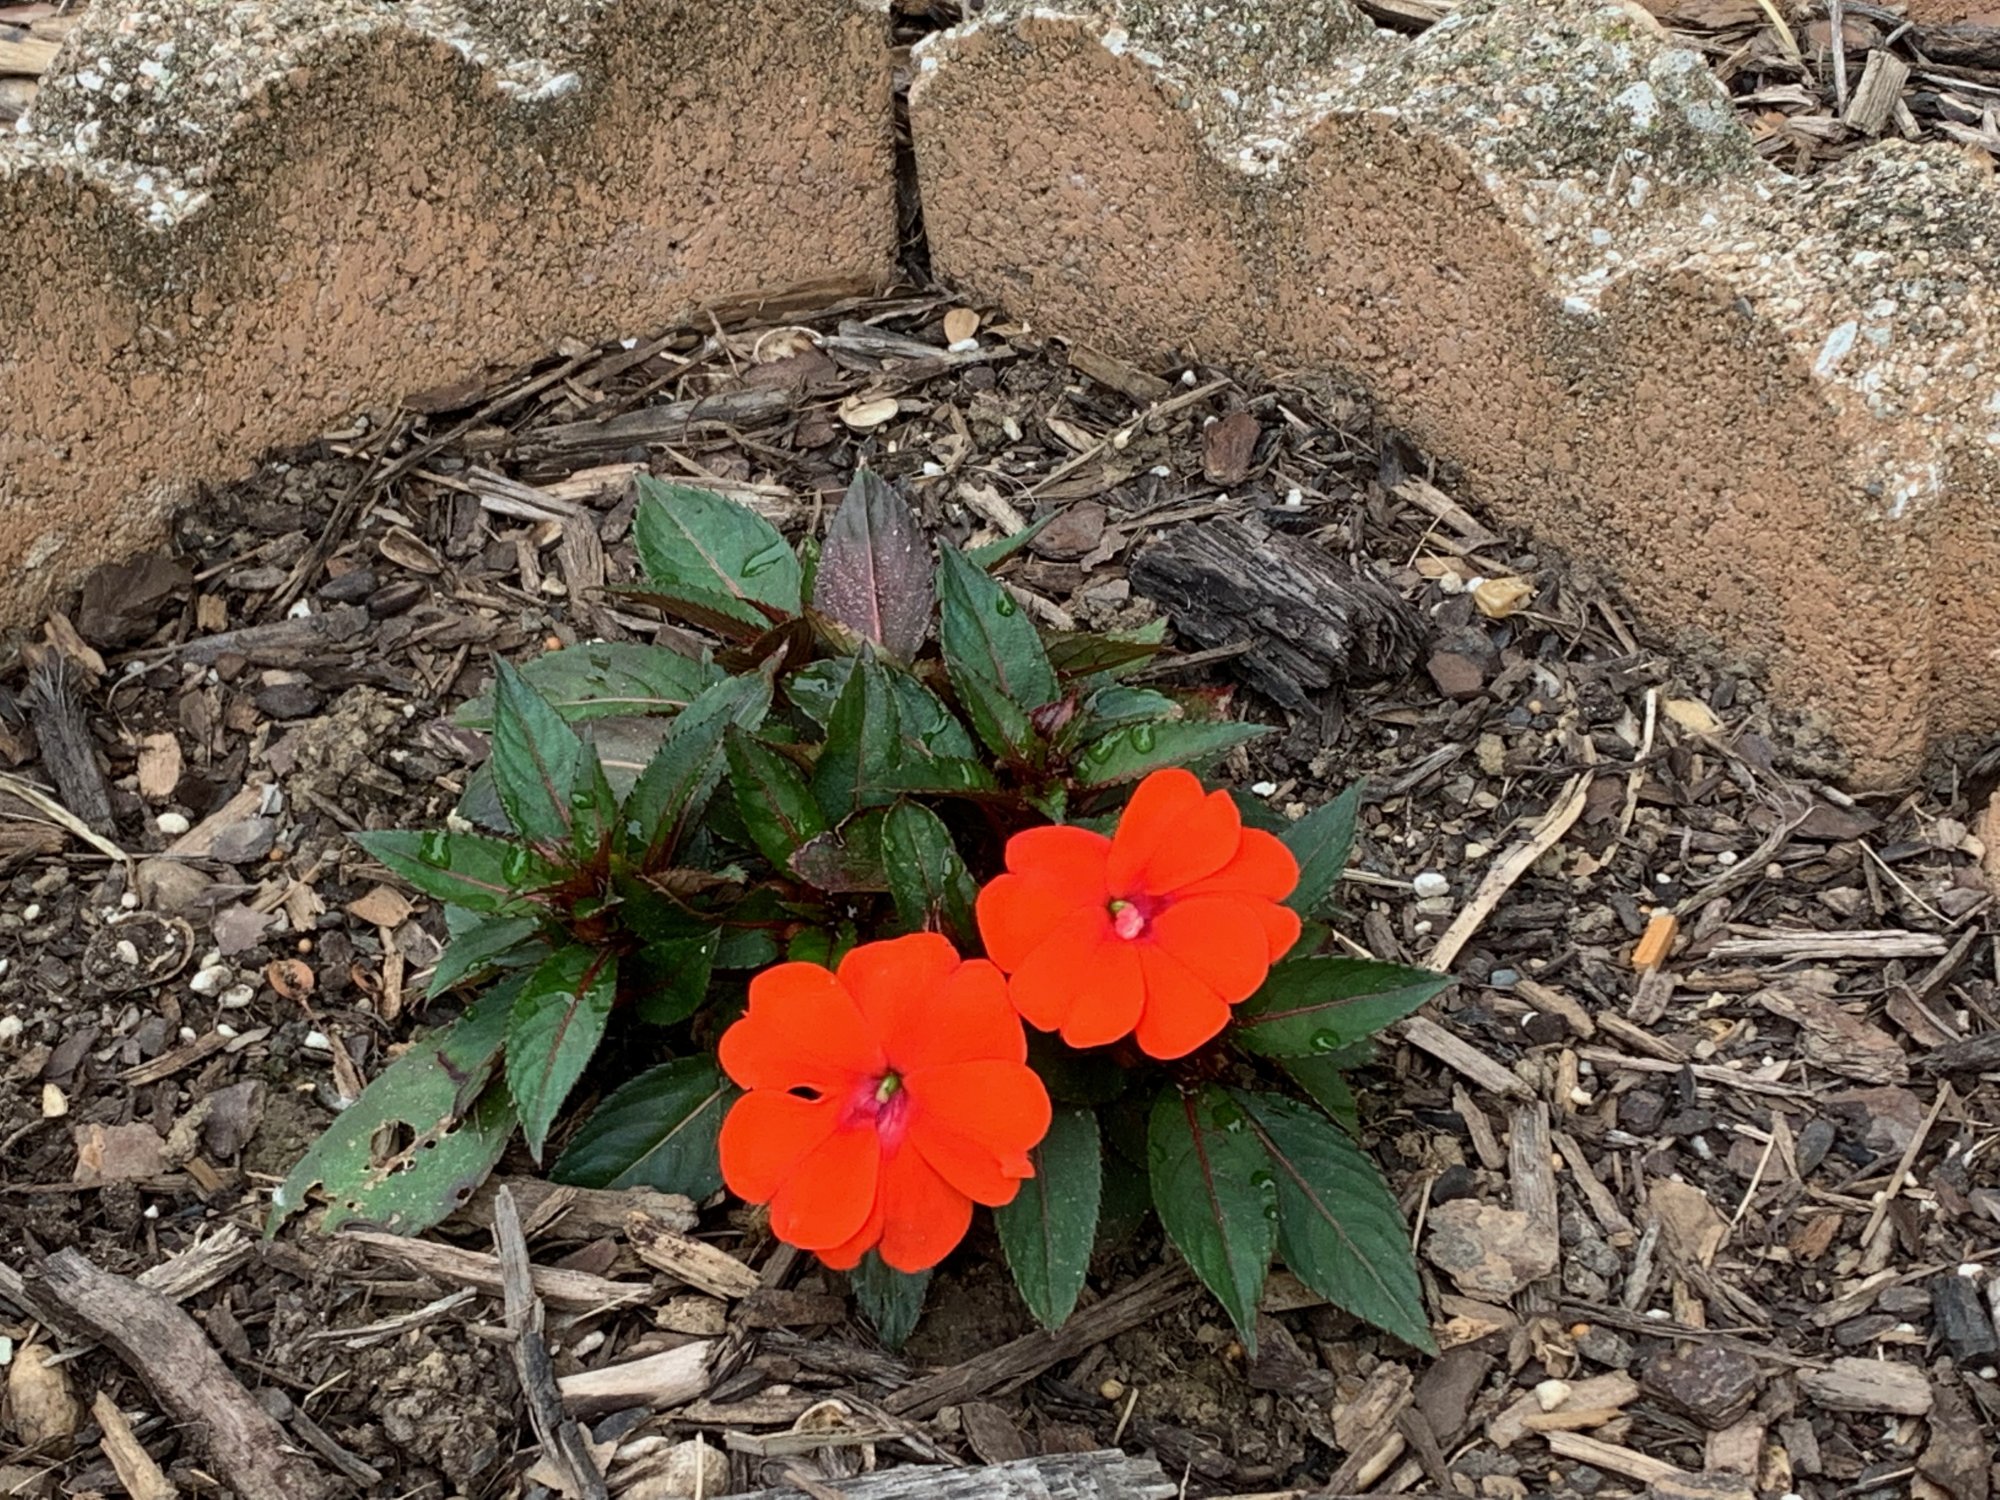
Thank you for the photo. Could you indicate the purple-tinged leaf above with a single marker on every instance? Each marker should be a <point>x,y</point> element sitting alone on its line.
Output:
<point>875,568</point>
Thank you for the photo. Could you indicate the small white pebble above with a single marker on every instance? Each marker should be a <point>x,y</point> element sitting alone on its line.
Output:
<point>1262,788</point>
<point>210,980</point>
<point>317,1042</point>
<point>152,1211</point>
<point>1726,857</point>
<point>299,611</point>
<point>963,346</point>
<point>1294,499</point>
<point>1971,1270</point>
<point>172,824</point>
<point>188,1033</point>
<point>1430,883</point>
<point>6,1352</point>
<point>1187,379</point>
<point>1581,1098</point>
<point>236,997</point>
<point>32,912</point>
<point>128,952</point>
<point>10,1030</point>
<point>1550,1394</point>
<point>1422,929</point>
<point>1659,1315</point>
<point>130,901</point>
<point>223,1028</point>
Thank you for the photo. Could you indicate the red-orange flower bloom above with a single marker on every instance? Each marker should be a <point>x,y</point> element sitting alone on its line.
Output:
<point>884,1101</point>
<point>1155,931</point>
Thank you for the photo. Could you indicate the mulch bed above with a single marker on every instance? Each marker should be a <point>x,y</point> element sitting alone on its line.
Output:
<point>1727,1215</point>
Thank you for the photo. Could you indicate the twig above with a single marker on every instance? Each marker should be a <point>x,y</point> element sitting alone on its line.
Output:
<point>1510,868</point>
<point>563,1443</point>
<point>1910,1154</point>
<point>134,1465</point>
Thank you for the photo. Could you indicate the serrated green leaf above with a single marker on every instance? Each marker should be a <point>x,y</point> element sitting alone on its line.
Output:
<point>1321,842</point>
<point>928,880</point>
<point>816,688</point>
<point>988,637</point>
<point>989,555</point>
<point>472,870</point>
<point>1316,1005</point>
<point>868,759</point>
<point>671,793</point>
<point>671,978</point>
<point>479,944</point>
<point>845,859</point>
<point>557,1021</point>
<point>699,546</point>
<point>776,805</point>
<point>657,1131</point>
<point>1129,754</point>
<point>1339,1228</point>
<point>452,1128</point>
<point>1106,655</point>
<point>1116,706</point>
<point>1325,1082</point>
<point>1048,1230</point>
<point>874,573</point>
<point>892,1300</point>
<point>536,759</point>
<point>1212,1188</point>
<point>606,679</point>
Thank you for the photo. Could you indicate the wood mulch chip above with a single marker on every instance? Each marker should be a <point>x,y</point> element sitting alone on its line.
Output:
<point>1700,1149</point>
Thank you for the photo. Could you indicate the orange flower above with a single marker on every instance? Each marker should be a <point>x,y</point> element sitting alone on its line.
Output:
<point>884,1101</point>
<point>1155,931</point>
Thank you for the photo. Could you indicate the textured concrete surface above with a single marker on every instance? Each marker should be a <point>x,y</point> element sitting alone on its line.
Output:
<point>1538,234</point>
<point>223,225</point>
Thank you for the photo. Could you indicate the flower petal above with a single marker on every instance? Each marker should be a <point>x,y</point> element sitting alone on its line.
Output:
<point>966,1018</point>
<point>1281,928</point>
<point>766,1134</point>
<point>894,981</point>
<point>831,1192</point>
<point>847,1254</point>
<point>1219,939</point>
<point>924,1217</point>
<point>803,1030</point>
<point>1261,866</point>
<point>1052,872</point>
<point>1181,1011</point>
<point>972,1169</point>
<point>1000,1107</point>
<point>1111,999</point>
<point>1075,961</point>
<point>1171,835</point>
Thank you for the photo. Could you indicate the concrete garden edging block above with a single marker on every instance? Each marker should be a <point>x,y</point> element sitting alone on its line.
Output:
<point>225,225</point>
<point>1539,236</point>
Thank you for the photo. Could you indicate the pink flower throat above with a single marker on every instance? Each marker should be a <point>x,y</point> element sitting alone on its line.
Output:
<point>1132,915</point>
<point>883,1103</point>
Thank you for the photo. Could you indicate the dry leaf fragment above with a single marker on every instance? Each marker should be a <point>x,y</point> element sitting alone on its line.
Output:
<point>1693,715</point>
<point>45,1411</point>
<point>381,906</point>
<point>406,549</point>
<point>1498,598</point>
<point>159,766</point>
<point>1689,1225</point>
<point>1488,1250</point>
<point>292,978</point>
<point>1229,447</point>
<point>960,324</point>
<point>865,416</point>
<point>119,1153</point>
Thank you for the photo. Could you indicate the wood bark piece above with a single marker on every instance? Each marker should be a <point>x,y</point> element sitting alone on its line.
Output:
<point>564,1446</point>
<point>54,701</point>
<point>1869,1385</point>
<point>1315,622</point>
<point>1509,868</point>
<point>1015,1364</point>
<point>1881,86</point>
<point>168,1350</point>
<point>689,1260</point>
<point>658,1381</point>
<point>575,1291</point>
<point>671,422</point>
<point>1103,1475</point>
<point>134,1465</point>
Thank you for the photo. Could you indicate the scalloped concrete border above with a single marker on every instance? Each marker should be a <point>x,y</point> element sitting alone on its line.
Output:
<point>224,225</point>
<point>1538,234</point>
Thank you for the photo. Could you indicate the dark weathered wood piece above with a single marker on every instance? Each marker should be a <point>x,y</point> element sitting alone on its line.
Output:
<point>281,643</point>
<point>667,423</point>
<point>54,701</point>
<point>1314,622</point>
<point>167,1349</point>
<point>1974,1054</point>
<point>1103,1475</point>
<point>1013,1365</point>
<point>563,1443</point>
<point>1964,44</point>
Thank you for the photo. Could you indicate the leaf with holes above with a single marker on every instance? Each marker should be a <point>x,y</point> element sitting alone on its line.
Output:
<point>1048,1230</point>
<point>1321,842</point>
<point>1314,1005</point>
<point>439,1119</point>
<point>892,1300</point>
<point>1212,1188</point>
<point>706,549</point>
<point>557,1021</point>
<point>606,679</point>
<point>874,572</point>
<point>472,870</point>
<point>1339,1229</point>
<point>658,1131</point>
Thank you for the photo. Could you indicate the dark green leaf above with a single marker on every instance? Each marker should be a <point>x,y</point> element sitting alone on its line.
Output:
<point>746,948</point>
<point>1092,1077</point>
<point>1213,1191</point>
<point>1257,813</point>
<point>1338,1225</point>
<point>1320,842</point>
<point>1325,1082</point>
<point>558,1020</point>
<point>1129,754</point>
<point>536,759</point>
<point>921,714</point>
<point>1048,1230</point>
<point>1000,722</point>
<point>892,1300</point>
<point>1107,654</point>
<point>606,679</point>
<point>658,1131</point>
<point>869,759</point>
<point>986,635</point>
<point>848,858</point>
<point>1117,706</point>
<point>699,546</point>
<point>670,795</point>
<point>1315,1005</point>
<point>446,1127</point>
<point>928,881</point>
<point>776,805</point>
<point>671,978</point>
<point>471,870</point>
<point>990,555</point>
<point>480,944</point>
<point>875,568</point>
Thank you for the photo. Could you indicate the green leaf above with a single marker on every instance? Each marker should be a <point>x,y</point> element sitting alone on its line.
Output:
<point>671,978</point>
<point>1048,1230</point>
<point>892,1300</point>
<point>1321,842</point>
<point>1339,1228</point>
<point>1129,754</point>
<point>1212,1187</point>
<point>697,545</point>
<point>874,572</point>
<point>1094,1076</point>
<point>472,870</point>
<point>776,805</point>
<point>1315,1005</point>
<point>928,881</point>
<point>1106,654</point>
<point>480,944</point>
<point>536,758</point>
<point>658,1131</point>
<point>990,555</point>
<point>921,714</point>
<point>447,1129</point>
<point>1116,706</point>
<point>987,636</point>
<point>606,679</point>
<point>671,793</point>
<point>1325,1082</point>
<point>868,760</point>
<point>848,858</point>
<point>558,1020</point>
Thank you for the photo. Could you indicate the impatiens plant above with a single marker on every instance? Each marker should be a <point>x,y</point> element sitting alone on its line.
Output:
<point>782,908</point>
